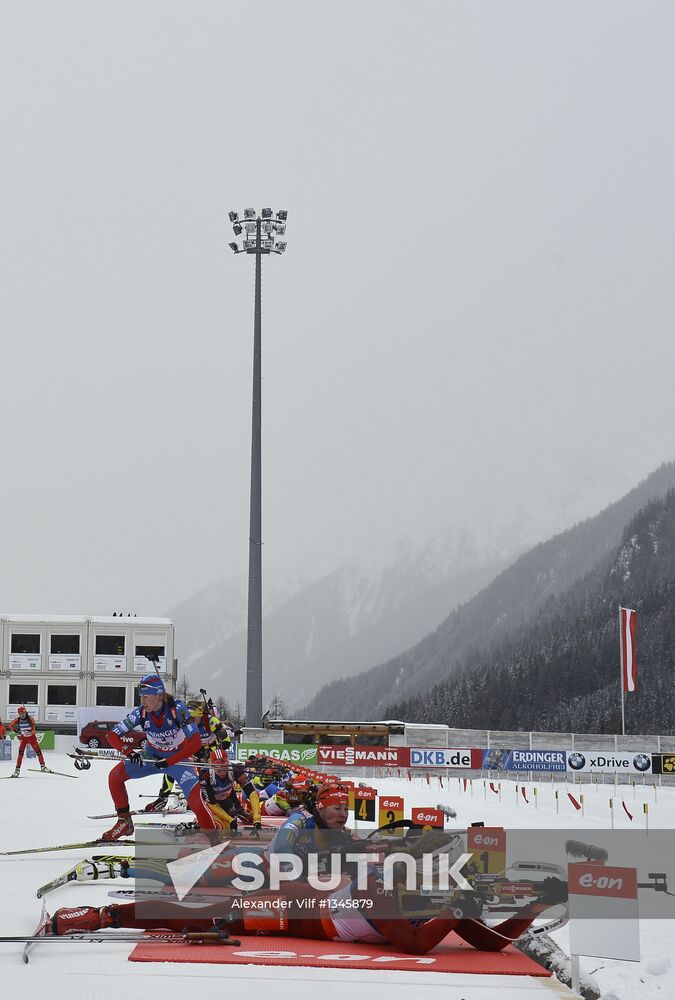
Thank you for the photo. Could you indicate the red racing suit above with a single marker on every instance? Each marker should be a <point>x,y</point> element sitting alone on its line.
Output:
<point>24,727</point>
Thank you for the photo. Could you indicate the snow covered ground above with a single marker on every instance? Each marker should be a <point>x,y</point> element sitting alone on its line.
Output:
<point>37,810</point>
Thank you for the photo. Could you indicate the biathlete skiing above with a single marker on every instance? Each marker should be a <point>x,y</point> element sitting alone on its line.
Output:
<point>24,727</point>
<point>172,737</point>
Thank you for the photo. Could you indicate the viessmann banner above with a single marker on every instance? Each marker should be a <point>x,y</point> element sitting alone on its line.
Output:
<point>349,756</point>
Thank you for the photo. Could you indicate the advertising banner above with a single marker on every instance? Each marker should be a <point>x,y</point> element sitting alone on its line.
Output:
<point>290,753</point>
<point>524,760</point>
<point>390,809</point>
<point>598,761</point>
<point>348,756</point>
<point>428,818</point>
<point>663,763</point>
<point>487,844</point>
<point>448,758</point>
<point>45,739</point>
<point>613,892</point>
<point>364,804</point>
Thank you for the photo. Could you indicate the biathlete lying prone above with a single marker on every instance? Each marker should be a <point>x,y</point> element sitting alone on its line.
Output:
<point>372,915</point>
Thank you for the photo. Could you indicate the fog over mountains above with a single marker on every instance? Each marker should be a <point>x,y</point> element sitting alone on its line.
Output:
<point>501,633</point>
<point>329,617</point>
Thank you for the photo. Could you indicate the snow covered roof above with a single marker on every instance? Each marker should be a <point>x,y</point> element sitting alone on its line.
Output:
<point>82,619</point>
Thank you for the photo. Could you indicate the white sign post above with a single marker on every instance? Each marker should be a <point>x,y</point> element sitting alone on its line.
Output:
<point>604,917</point>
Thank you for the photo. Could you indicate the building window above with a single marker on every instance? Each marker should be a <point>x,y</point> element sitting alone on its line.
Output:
<point>112,696</point>
<point>23,694</point>
<point>64,644</point>
<point>150,651</point>
<point>25,642</point>
<point>110,645</point>
<point>62,694</point>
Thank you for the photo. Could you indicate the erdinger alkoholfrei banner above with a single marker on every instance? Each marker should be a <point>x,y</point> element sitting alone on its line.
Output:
<point>524,760</point>
<point>627,625</point>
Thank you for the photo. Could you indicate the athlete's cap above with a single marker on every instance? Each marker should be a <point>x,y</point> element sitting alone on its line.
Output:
<point>21,708</point>
<point>219,758</point>
<point>151,684</point>
<point>332,795</point>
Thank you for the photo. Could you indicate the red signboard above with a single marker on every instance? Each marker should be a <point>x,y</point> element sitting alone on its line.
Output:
<point>348,756</point>
<point>429,817</point>
<point>588,879</point>
<point>364,793</point>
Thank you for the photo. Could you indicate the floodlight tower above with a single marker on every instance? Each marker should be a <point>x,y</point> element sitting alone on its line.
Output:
<point>260,237</point>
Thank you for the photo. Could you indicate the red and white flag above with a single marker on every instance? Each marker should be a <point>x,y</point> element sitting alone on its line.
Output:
<point>627,624</point>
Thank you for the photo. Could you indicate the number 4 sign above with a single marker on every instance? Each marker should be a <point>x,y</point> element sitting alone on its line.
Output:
<point>364,804</point>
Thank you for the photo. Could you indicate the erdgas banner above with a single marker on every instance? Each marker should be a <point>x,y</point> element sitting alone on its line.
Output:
<point>290,753</point>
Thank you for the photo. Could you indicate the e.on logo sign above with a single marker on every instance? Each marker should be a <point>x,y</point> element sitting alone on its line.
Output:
<point>390,809</point>
<point>428,818</point>
<point>603,909</point>
<point>601,880</point>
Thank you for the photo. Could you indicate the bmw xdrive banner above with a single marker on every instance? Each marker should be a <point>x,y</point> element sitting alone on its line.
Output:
<point>600,761</point>
<point>524,760</point>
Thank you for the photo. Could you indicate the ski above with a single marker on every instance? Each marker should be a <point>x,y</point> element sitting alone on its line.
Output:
<point>48,770</point>
<point>40,931</point>
<point>89,871</point>
<point>485,938</point>
<point>142,812</point>
<point>68,847</point>
<point>144,937</point>
<point>143,895</point>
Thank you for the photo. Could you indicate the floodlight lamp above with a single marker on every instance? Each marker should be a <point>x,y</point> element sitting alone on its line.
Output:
<point>250,227</point>
<point>266,213</point>
<point>249,244</point>
<point>249,213</point>
<point>281,246</point>
<point>282,215</point>
<point>267,244</point>
<point>234,246</point>
<point>237,230</point>
<point>267,227</point>
<point>234,217</point>
<point>280,228</point>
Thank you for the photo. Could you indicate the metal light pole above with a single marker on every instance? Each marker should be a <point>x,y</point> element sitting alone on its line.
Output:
<point>261,233</point>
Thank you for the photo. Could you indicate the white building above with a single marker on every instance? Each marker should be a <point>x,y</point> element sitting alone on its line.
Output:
<point>55,664</point>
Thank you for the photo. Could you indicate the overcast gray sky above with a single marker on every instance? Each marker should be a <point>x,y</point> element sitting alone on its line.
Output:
<point>476,305</point>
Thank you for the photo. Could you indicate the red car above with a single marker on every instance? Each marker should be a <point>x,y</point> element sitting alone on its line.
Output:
<point>95,734</point>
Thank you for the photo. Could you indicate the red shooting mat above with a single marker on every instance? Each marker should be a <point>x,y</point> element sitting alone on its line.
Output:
<point>452,956</point>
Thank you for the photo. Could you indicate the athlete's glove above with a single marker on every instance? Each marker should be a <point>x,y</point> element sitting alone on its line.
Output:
<point>554,890</point>
<point>135,758</point>
<point>161,763</point>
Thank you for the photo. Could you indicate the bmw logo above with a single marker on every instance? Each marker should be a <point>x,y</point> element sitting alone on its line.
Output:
<point>576,761</point>
<point>641,762</point>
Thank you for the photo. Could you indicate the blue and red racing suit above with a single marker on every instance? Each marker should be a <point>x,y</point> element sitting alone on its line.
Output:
<point>171,736</point>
